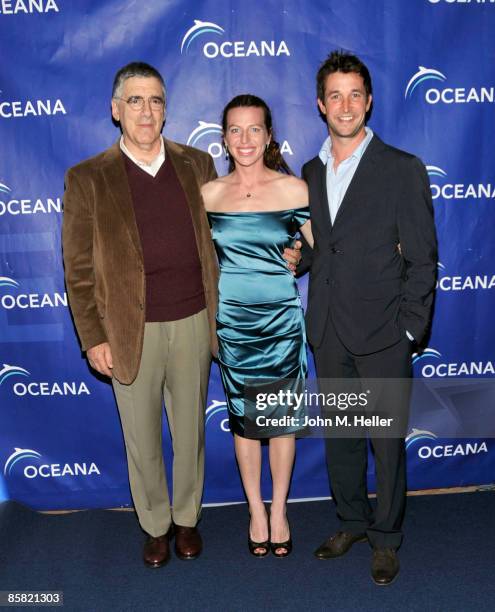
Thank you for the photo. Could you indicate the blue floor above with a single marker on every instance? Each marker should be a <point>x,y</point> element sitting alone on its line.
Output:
<point>447,562</point>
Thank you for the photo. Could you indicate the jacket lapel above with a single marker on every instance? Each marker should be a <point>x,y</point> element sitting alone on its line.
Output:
<point>183,166</point>
<point>321,173</point>
<point>114,172</point>
<point>316,177</point>
<point>184,170</point>
<point>364,175</point>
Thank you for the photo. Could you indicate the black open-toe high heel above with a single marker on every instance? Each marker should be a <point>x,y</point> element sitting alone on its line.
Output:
<point>281,549</point>
<point>258,549</point>
<point>286,546</point>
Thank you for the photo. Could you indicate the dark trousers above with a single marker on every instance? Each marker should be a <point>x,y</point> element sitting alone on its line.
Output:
<point>347,458</point>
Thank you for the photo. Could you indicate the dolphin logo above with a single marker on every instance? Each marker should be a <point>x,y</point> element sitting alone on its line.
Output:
<point>9,370</point>
<point>214,408</point>
<point>423,74</point>
<point>18,455</point>
<point>419,434</point>
<point>435,171</point>
<point>5,281</point>
<point>203,129</point>
<point>428,352</point>
<point>199,28</point>
<point>4,188</point>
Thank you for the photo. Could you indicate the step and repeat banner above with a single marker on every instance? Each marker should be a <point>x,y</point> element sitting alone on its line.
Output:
<point>433,69</point>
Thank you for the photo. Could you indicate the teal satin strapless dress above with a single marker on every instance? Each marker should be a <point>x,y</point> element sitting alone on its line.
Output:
<point>260,321</point>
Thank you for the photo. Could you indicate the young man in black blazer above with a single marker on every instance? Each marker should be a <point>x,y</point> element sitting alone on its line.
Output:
<point>370,295</point>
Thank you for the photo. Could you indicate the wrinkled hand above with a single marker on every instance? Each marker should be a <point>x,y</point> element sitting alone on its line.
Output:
<point>100,358</point>
<point>293,256</point>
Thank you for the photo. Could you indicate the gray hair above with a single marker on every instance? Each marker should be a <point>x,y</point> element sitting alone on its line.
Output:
<point>135,69</point>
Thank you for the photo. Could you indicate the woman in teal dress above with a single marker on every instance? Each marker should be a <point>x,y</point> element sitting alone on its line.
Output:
<point>255,212</point>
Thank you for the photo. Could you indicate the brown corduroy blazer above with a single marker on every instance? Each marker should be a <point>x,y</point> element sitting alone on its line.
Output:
<point>103,259</point>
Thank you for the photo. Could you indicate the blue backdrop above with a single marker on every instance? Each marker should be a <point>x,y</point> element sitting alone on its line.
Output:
<point>433,69</point>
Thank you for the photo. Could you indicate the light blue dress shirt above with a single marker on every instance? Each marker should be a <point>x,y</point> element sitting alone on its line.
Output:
<point>339,180</point>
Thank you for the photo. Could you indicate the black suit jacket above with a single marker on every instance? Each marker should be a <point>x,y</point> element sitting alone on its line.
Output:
<point>372,291</point>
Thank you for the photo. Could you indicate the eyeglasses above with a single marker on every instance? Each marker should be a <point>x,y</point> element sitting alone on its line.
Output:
<point>136,103</point>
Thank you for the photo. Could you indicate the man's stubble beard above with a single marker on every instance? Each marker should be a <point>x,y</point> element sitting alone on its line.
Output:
<point>334,132</point>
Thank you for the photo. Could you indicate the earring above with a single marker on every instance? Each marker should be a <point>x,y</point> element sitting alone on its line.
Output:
<point>226,152</point>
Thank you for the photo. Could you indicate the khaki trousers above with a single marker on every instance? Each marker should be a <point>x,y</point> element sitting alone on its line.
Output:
<point>174,367</point>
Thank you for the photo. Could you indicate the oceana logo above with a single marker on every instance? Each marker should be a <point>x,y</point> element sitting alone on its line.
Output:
<point>441,187</point>
<point>447,95</point>
<point>208,136</point>
<point>435,171</point>
<point>204,132</point>
<point>41,388</point>
<point>423,74</point>
<point>446,282</point>
<point>228,48</point>
<point>199,29</point>
<point>428,352</point>
<point>19,454</point>
<point>36,469</point>
<point>7,371</point>
<point>16,206</point>
<point>31,108</point>
<point>218,408</point>
<point>24,301</point>
<point>462,1</point>
<point>5,281</point>
<point>415,441</point>
<point>418,435</point>
<point>431,363</point>
<point>13,7</point>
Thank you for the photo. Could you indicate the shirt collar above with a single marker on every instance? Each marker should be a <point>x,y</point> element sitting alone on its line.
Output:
<point>158,161</point>
<point>326,149</point>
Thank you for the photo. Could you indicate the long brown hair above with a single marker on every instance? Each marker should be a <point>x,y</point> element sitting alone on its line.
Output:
<point>272,157</point>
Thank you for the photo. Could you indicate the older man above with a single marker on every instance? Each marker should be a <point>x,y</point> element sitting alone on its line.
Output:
<point>142,282</point>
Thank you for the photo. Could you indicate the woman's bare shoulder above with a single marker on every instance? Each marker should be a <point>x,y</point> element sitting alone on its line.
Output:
<point>214,191</point>
<point>295,189</point>
<point>214,186</point>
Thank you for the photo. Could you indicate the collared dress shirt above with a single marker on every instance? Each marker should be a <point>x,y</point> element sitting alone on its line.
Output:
<point>151,168</point>
<point>338,180</point>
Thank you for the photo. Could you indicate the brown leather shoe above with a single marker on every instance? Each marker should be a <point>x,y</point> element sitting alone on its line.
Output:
<point>384,566</point>
<point>188,544</point>
<point>338,544</point>
<point>156,551</point>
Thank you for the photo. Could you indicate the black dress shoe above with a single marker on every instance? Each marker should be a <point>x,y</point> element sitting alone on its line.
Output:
<point>384,566</point>
<point>156,551</point>
<point>188,543</point>
<point>338,544</point>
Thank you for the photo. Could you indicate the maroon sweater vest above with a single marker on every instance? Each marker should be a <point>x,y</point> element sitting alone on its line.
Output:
<point>174,284</point>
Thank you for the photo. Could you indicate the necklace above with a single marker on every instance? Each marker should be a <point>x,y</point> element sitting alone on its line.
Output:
<point>246,191</point>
